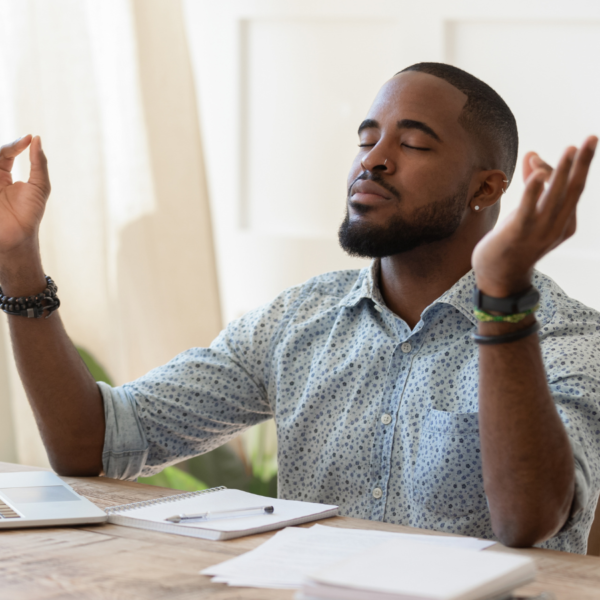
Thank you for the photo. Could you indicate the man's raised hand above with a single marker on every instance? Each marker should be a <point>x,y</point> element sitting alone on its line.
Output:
<point>22,204</point>
<point>504,259</point>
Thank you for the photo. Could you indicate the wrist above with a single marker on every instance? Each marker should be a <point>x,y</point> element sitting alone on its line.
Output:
<point>495,328</point>
<point>32,306</point>
<point>498,288</point>
<point>21,272</point>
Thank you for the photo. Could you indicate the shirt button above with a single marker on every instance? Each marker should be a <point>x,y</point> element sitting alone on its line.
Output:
<point>377,493</point>
<point>378,308</point>
<point>386,419</point>
<point>406,347</point>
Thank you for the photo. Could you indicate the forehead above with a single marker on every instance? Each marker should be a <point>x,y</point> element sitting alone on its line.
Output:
<point>420,97</point>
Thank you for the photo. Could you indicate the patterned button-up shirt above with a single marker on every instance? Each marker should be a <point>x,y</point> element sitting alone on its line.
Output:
<point>371,415</point>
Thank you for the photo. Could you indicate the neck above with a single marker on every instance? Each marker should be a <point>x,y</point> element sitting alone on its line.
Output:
<point>411,281</point>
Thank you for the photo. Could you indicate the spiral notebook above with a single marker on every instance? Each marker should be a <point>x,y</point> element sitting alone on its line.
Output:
<point>152,514</point>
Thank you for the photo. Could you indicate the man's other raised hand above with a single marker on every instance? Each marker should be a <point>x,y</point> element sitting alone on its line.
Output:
<point>65,399</point>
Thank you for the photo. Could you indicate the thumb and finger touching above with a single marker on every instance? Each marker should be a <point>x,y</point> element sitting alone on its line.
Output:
<point>531,162</point>
<point>553,207</point>
<point>534,187</point>
<point>9,152</point>
<point>39,175</point>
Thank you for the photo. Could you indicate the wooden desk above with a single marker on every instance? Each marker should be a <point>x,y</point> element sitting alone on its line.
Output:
<point>110,562</point>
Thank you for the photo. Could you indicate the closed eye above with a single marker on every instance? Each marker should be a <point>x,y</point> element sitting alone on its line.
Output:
<point>416,148</point>
<point>405,145</point>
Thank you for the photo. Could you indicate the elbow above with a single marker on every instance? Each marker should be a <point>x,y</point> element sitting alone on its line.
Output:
<point>78,466</point>
<point>69,471</point>
<point>525,531</point>
<point>520,537</point>
<point>522,522</point>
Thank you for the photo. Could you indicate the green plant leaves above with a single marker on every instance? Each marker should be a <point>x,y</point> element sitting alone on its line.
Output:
<point>176,479</point>
<point>98,373</point>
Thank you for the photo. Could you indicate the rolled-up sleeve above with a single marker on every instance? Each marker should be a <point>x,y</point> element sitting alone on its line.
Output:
<point>583,487</point>
<point>125,446</point>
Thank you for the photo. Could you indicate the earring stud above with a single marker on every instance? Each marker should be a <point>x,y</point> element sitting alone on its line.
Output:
<point>476,207</point>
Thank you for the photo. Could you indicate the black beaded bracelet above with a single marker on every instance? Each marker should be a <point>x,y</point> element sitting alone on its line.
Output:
<point>32,307</point>
<point>504,338</point>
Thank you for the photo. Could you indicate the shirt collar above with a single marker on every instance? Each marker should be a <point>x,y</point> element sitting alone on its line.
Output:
<point>460,295</point>
<point>366,286</point>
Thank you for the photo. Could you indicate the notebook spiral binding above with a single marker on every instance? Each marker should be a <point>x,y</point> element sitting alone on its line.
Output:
<point>123,507</point>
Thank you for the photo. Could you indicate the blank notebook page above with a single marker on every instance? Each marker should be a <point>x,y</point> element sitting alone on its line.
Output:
<point>284,510</point>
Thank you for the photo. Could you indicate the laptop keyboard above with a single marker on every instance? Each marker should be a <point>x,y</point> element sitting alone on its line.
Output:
<point>6,512</point>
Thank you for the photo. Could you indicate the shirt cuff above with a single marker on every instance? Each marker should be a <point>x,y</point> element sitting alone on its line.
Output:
<point>125,446</point>
<point>583,479</point>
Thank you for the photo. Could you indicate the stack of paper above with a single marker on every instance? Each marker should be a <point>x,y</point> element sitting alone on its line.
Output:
<point>408,570</point>
<point>285,561</point>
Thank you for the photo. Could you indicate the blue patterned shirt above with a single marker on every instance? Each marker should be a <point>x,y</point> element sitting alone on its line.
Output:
<point>371,415</point>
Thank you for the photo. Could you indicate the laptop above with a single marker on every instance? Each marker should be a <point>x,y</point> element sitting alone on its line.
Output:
<point>41,499</point>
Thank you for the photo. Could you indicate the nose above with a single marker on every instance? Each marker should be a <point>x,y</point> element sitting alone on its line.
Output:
<point>378,160</point>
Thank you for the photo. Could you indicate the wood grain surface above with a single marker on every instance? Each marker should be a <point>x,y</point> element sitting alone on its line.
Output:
<point>110,562</point>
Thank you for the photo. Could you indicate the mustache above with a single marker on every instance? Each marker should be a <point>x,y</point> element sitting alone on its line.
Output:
<point>377,178</point>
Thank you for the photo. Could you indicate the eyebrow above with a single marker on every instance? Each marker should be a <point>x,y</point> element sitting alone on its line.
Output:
<point>403,124</point>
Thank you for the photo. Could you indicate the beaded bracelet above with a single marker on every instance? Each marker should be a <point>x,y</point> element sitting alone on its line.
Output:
<point>486,317</point>
<point>32,307</point>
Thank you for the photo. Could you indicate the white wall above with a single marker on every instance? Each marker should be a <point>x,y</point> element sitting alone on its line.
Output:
<point>282,87</point>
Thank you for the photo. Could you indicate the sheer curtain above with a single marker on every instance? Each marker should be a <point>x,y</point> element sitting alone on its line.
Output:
<point>127,233</point>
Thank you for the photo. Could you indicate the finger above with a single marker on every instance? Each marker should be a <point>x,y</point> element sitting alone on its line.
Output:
<point>579,173</point>
<point>531,162</point>
<point>555,195</point>
<point>569,229</point>
<point>534,186</point>
<point>9,152</point>
<point>38,175</point>
<point>571,226</point>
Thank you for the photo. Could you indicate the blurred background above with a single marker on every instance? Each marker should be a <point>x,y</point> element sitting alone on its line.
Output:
<point>198,152</point>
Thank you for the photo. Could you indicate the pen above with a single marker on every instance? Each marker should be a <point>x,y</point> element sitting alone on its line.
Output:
<point>223,514</point>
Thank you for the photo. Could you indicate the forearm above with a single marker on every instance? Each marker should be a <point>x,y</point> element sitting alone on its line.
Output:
<point>64,397</point>
<point>528,465</point>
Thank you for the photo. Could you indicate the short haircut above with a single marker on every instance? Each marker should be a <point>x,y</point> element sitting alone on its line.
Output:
<point>485,115</point>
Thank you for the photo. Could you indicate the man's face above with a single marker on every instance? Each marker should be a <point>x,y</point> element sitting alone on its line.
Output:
<point>409,182</point>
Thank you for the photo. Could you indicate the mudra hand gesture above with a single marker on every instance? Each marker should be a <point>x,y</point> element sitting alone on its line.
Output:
<point>22,204</point>
<point>503,260</point>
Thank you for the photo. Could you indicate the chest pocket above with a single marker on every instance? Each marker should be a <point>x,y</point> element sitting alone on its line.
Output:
<point>448,478</point>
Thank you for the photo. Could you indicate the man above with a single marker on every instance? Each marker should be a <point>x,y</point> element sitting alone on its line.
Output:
<point>384,401</point>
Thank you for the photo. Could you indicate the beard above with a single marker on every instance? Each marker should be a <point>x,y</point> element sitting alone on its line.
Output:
<point>434,222</point>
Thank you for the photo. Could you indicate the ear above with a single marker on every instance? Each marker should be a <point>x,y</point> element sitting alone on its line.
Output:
<point>489,187</point>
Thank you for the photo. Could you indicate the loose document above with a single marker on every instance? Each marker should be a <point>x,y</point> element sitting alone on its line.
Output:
<point>289,557</point>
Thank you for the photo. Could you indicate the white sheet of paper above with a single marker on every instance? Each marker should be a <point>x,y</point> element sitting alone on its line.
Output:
<point>285,560</point>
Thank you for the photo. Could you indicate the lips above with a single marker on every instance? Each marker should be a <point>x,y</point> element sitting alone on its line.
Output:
<point>369,192</point>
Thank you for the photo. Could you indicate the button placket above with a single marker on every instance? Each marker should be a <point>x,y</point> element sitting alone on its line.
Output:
<point>379,472</point>
<point>405,354</point>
